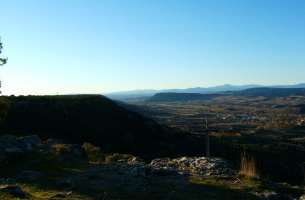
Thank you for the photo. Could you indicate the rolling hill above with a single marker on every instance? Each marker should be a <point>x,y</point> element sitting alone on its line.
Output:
<point>95,119</point>
<point>251,92</point>
<point>271,92</point>
<point>162,97</point>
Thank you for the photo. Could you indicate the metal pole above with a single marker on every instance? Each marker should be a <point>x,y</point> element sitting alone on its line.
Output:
<point>207,139</point>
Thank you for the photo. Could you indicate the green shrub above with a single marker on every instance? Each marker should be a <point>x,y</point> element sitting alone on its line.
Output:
<point>94,153</point>
<point>116,157</point>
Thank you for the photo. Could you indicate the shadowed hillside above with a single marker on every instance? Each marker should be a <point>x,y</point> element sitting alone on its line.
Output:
<point>91,118</point>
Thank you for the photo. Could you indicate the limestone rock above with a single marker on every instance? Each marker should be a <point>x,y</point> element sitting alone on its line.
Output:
<point>201,166</point>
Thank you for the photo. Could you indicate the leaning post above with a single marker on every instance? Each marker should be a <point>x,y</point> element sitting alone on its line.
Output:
<point>207,139</point>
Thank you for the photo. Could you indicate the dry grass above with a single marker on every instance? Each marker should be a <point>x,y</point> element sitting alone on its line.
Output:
<point>248,166</point>
<point>94,153</point>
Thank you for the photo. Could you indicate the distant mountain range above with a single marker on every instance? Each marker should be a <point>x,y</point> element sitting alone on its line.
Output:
<point>267,92</point>
<point>145,94</point>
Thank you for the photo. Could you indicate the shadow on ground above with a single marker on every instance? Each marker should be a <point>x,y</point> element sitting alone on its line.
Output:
<point>52,179</point>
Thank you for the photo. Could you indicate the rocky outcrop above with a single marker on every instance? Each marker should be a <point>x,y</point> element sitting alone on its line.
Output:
<point>12,146</point>
<point>201,166</point>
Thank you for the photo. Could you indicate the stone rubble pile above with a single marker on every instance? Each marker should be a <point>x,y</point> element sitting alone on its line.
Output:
<point>201,166</point>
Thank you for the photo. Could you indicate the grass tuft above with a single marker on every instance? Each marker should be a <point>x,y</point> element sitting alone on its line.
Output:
<point>248,166</point>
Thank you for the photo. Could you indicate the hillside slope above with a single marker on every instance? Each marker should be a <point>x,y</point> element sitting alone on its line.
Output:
<point>83,118</point>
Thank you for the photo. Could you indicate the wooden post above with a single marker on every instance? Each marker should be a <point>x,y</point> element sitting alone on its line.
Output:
<point>207,139</point>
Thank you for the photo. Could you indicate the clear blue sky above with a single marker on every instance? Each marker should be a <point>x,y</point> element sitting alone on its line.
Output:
<point>95,46</point>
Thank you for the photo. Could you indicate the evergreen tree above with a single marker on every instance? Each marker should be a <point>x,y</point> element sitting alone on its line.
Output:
<point>2,60</point>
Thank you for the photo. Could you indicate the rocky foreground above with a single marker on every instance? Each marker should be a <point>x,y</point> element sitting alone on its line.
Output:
<point>35,169</point>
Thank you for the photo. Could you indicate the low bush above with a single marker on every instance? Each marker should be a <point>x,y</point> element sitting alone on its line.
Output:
<point>94,153</point>
<point>116,157</point>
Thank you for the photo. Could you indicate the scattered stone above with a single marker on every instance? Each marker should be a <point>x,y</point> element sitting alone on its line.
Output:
<point>135,161</point>
<point>271,195</point>
<point>69,193</point>
<point>14,190</point>
<point>265,195</point>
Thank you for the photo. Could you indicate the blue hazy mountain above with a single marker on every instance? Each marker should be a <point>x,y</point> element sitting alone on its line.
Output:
<point>300,85</point>
<point>144,94</point>
<point>214,89</point>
